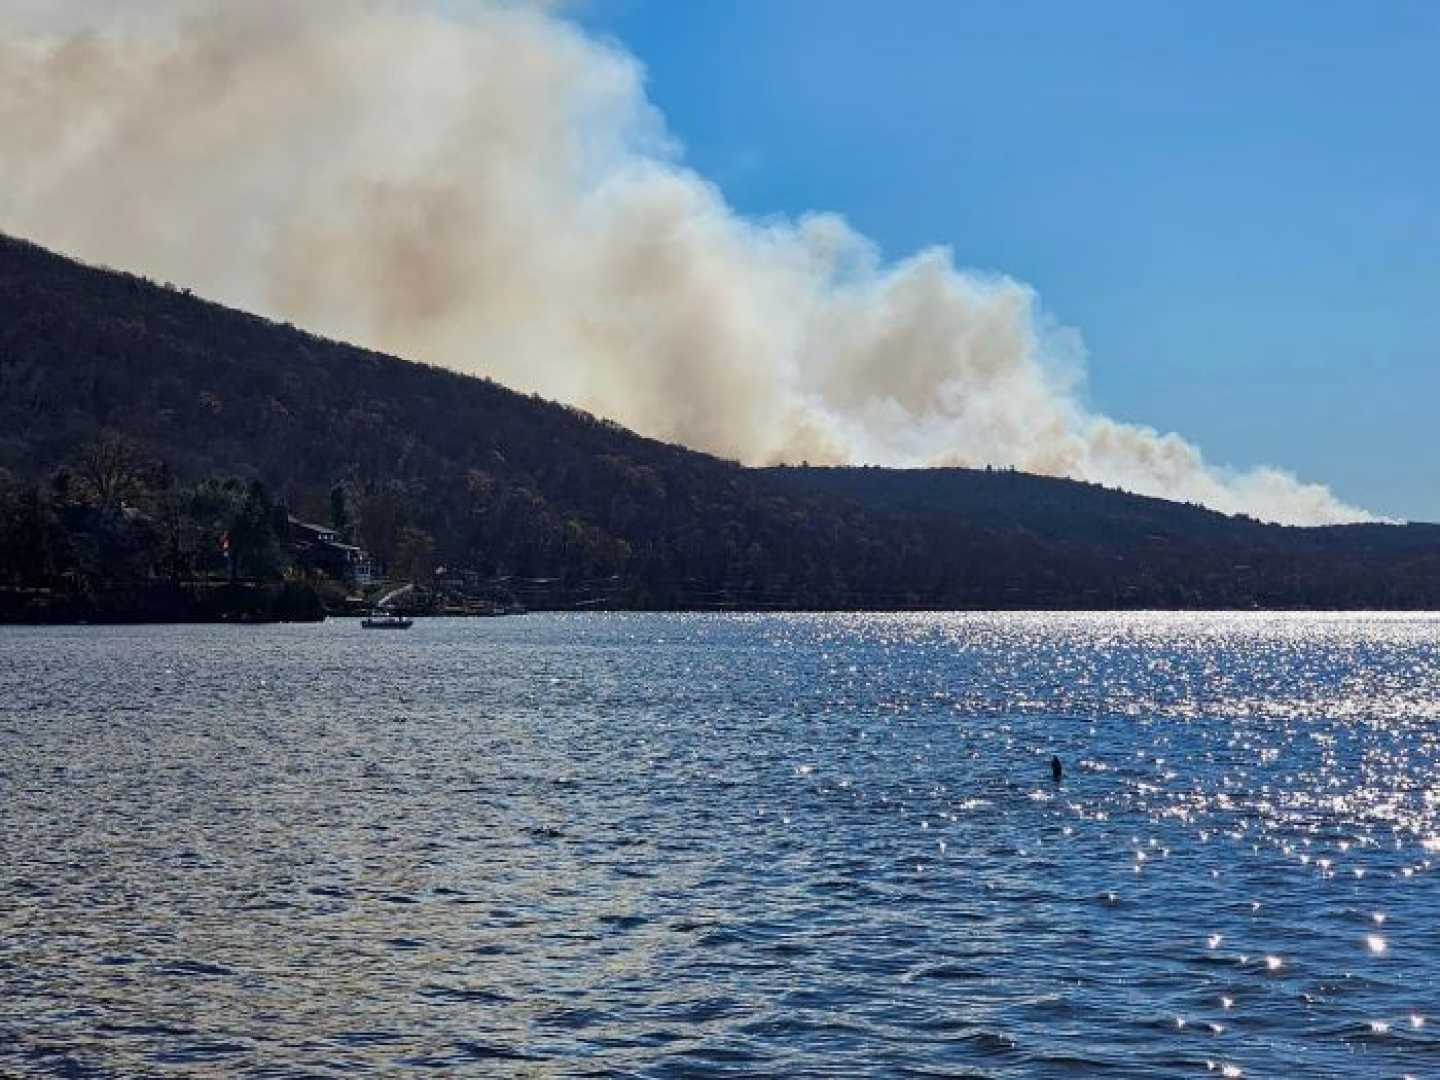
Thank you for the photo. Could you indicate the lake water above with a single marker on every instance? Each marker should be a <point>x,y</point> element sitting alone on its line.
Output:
<point>675,846</point>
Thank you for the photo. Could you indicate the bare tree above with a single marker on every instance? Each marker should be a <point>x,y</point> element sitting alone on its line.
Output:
<point>111,465</point>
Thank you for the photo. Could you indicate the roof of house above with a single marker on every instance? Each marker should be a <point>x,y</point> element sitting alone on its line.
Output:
<point>310,525</point>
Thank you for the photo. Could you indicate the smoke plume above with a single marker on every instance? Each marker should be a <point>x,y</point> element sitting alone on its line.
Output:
<point>487,187</point>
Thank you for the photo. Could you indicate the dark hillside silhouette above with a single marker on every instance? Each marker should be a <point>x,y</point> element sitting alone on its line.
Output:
<point>142,428</point>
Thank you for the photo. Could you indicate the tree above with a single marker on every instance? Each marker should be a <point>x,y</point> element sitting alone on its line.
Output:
<point>176,530</point>
<point>414,553</point>
<point>26,530</point>
<point>254,547</point>
<point>111,466</point>
<point>342,517</point>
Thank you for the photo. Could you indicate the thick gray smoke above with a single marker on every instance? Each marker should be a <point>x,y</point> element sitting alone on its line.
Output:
<point>486,187</point>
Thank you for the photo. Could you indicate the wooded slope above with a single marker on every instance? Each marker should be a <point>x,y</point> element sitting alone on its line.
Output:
<point>439,469</point>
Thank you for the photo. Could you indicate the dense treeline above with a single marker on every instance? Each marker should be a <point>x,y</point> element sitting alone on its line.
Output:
<point>429,469</point>
<point>1061,543</point>
<point>113,536</point>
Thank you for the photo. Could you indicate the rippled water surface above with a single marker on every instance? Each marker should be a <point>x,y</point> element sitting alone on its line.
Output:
<point>632,845</point>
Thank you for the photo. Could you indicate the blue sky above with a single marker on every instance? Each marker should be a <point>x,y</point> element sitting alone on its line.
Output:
<point>1234,203</point>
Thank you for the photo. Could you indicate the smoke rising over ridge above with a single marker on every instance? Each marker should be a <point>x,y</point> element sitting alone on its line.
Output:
<point>493,191</point>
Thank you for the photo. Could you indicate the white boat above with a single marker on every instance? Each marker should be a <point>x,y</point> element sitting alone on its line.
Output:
<point>387,622</point>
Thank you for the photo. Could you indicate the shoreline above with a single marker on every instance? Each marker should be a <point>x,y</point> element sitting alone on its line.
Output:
<point>8,619</point>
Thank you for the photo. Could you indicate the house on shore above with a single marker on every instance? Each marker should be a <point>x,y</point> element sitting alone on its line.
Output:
<point>319,547</point>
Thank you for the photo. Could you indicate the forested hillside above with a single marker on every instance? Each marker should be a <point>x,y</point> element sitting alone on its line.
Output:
<point>147,435</point>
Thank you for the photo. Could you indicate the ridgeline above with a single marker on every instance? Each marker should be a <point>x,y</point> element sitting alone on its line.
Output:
<point>157,452</point>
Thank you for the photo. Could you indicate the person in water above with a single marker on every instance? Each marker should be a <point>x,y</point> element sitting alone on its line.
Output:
<point>1056,769</point>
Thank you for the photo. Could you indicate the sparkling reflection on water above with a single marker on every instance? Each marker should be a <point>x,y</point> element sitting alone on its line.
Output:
<point>724,846</point>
